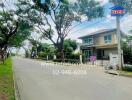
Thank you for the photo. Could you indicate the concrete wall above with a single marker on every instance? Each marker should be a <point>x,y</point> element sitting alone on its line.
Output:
<point>108,51</point>
<point>99,62</point>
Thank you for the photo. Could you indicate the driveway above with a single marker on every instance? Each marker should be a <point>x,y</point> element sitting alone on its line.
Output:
<point>37,80</point>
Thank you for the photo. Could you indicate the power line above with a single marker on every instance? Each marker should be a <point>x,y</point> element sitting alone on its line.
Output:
<point>87,26</point>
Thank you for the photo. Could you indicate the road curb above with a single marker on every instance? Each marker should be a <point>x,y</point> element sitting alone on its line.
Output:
<point>16,94</point>
<point>128,76</point>
<point>113,72</point>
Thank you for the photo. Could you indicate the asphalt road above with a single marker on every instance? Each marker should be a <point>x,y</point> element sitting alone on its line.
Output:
<point>37,80</point>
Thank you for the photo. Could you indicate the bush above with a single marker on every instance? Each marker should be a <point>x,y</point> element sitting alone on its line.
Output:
<point>128,58</point>
<point>72,56</point>
<point>57,60</point>
<point>43,55</point>
<point>127,68</point>
<point>127,53</point>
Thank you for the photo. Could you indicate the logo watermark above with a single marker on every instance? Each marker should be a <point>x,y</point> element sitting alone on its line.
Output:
<point>69,72</point>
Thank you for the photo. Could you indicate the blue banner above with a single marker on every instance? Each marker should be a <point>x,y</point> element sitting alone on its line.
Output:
<point>117,11</point>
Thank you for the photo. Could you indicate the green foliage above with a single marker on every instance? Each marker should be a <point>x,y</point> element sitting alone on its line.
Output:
<point>127,50</point>
<point>14,29</point>
<point>47,34</point>
<point>127,68</point>
<point>42,55</point>
<point>44,6</point>
<point>34,43</point>
<point>8,27</point>
<point>72,58</point>
<point>47,4</point>
<point>60,14</point>
<point>45,49</point>
<point>89,8</point>
<point>69,46</point>
<point>24,31</point>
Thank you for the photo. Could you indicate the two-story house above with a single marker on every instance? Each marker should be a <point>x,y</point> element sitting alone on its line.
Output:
<point>100,43</point>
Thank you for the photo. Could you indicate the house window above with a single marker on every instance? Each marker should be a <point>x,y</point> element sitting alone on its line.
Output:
<point>88,40</point>
<point>107,38</point>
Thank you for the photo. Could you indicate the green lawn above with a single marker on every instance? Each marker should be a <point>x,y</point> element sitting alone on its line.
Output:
<point>6,81</point>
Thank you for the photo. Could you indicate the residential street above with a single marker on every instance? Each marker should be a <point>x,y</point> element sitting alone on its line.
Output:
<point>37,80</point>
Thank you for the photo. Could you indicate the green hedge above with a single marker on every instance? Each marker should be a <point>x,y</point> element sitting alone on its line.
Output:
<point>43,55</point>
<point>127,68</point>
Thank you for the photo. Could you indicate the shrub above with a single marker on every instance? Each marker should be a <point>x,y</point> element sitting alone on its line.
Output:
<point>43,55</point>
<point>127,68</point>
<point>72,56</point>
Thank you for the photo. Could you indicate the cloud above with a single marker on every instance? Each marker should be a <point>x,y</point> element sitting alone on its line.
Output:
<point>72,1</point>
<point>103,2</point>
<point>126,24</point>
<point>83,32</point>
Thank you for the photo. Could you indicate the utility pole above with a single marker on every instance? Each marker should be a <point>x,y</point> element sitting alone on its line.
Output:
<point>118,11</point>
<point>119,42</point>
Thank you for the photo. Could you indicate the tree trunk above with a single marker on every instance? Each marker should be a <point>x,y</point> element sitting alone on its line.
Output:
<point>2,56</point>
<point>60,49</point>
<point>3,53</point>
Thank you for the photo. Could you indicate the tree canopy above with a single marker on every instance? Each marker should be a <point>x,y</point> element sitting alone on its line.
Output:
<point>8,27</point>
<point>90,8</point>
<point>54,20</point>
<point>13,29</point>
<point>70,46</point>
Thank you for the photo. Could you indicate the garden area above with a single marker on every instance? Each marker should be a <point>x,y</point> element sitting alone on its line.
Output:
<point>6,81</point>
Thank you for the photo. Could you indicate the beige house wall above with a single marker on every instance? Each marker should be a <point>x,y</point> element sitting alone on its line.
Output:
<point>99,45</point>
<point>108,51</point>
<point>99,39</point>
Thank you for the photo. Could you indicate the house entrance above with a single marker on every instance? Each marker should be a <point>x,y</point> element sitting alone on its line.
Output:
<point>100,54</point>
<point>87,53</point>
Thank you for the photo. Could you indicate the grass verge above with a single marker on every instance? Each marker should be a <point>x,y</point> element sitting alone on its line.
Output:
<point>125,73</point>
<point>6,81</point>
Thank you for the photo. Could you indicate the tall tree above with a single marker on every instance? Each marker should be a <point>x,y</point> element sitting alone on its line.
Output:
<point>8,27</point>
<point>13,29</point>
<point>22,34</point>
<point>56,21</point>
